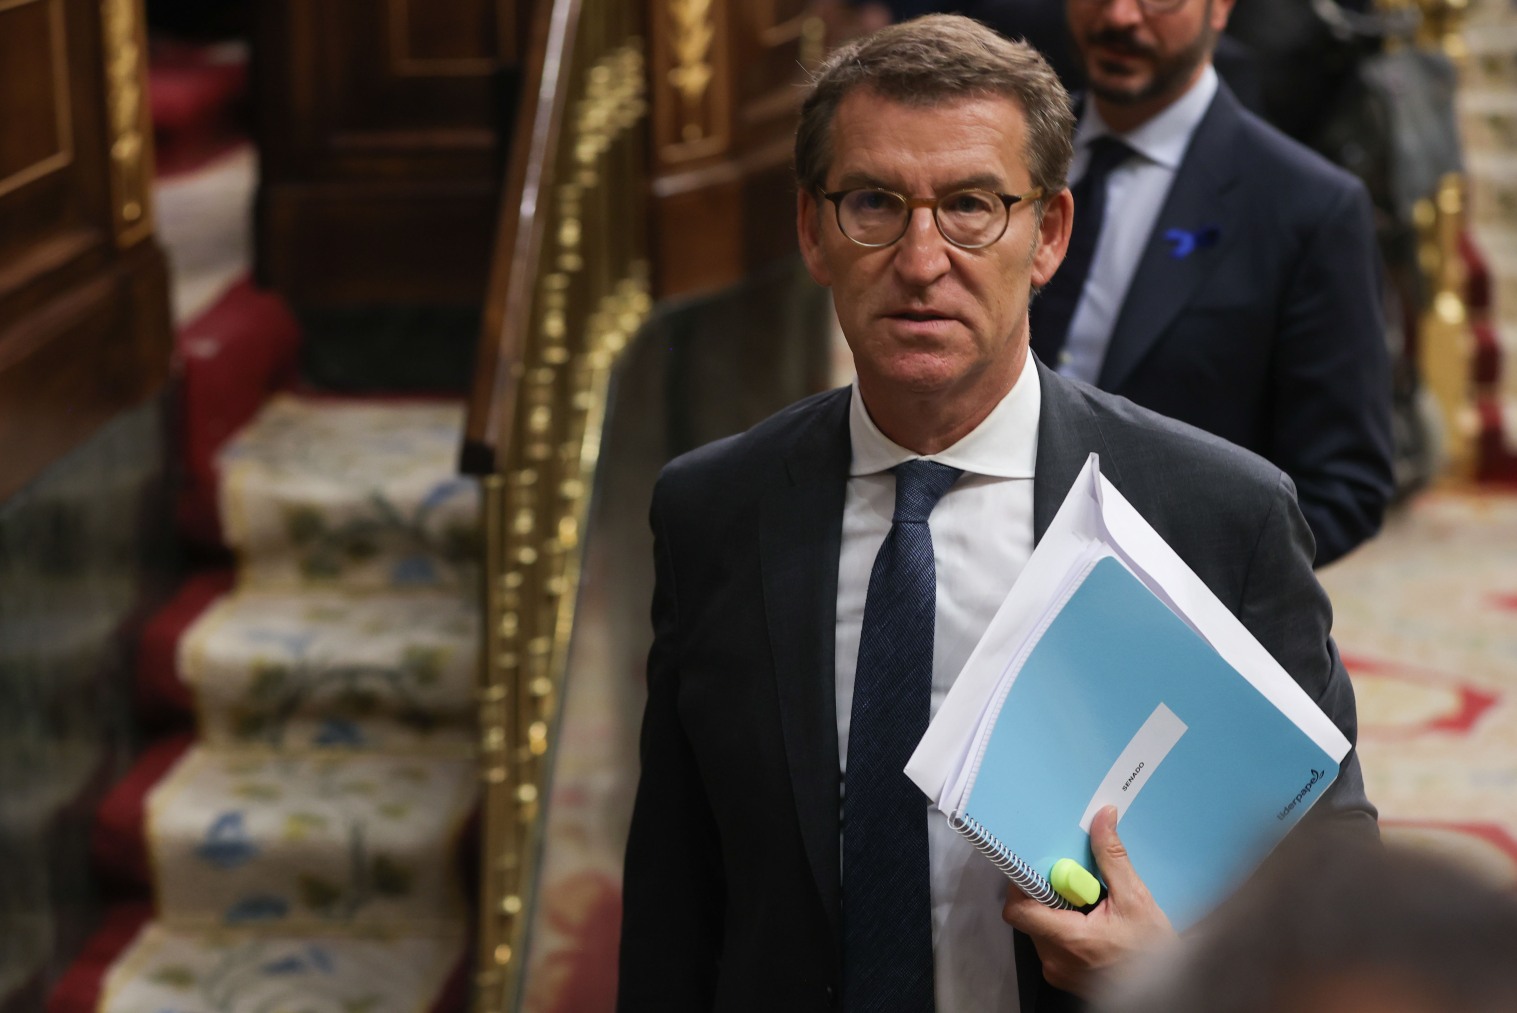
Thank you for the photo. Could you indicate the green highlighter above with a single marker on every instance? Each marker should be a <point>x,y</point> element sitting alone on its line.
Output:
<point>1072,882</point>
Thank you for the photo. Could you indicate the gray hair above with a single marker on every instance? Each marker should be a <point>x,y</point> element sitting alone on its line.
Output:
<point>933,60</point>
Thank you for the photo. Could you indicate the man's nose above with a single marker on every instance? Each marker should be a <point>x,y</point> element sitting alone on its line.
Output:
<point>922,253</point>
<point>1122,12</point>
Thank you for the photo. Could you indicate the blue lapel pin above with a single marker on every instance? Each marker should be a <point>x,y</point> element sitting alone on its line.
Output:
<point>1185,241</point>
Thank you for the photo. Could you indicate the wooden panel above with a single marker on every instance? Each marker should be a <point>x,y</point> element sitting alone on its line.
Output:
<point>34,94</point>
<point>432,38</point>
<point>51,142</point>
<point>370,244</point>
<point>376,118</point>
<point>90,353</point>
<point>726,77</point>
<point>84,328</point>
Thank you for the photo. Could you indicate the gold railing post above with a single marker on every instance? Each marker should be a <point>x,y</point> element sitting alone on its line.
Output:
<point>1442,27</point>
<point>1446,345</point>
<point>589,293</point>
<point>500,841</point>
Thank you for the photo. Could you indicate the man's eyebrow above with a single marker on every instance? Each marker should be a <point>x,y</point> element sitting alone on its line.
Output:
<point>982,181</point>
<point>854,180</point>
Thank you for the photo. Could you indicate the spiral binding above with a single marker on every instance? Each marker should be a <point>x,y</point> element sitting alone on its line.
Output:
<point>1019,872</point>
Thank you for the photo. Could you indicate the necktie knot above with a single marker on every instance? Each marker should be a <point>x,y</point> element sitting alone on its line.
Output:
<point>1054,308</point>
<point>1106,153</point>
<point>919,485</point>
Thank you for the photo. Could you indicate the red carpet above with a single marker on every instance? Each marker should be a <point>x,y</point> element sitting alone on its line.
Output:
<point>232,358</point>
<point>195,95</point>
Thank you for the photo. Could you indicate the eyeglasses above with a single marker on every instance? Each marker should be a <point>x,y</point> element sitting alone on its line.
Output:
<point>969,219</point>
<point>1151,6</point>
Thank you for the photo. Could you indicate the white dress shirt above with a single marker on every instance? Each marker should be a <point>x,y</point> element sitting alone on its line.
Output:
<point>981,539</point>
<point>1135,193</point>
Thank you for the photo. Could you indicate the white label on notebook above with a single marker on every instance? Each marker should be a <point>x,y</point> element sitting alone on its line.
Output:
<point>1131,771</point>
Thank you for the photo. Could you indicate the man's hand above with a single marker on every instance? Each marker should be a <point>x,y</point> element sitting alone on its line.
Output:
<point>1076,948</point>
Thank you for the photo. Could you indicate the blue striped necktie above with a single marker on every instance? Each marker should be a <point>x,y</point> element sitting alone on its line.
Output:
<point>887,897</point>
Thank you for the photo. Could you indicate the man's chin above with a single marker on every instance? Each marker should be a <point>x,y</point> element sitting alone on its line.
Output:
<point>1125,91</point>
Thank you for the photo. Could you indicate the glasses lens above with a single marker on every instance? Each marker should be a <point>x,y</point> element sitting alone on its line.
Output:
<point>1161,6</point>
<point>872,217</point>
<point>972,217</point>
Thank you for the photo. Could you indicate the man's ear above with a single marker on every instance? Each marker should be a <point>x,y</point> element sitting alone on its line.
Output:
<point>1221,10</point>
<point>1053,237</point>
<point>808,226</point>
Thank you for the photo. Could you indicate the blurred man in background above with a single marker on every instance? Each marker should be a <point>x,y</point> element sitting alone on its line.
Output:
<point>1218,272</point>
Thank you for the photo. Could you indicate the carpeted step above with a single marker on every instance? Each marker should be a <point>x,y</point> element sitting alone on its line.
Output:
<point>361,495</point>
<point>309,669</point>
<point>292,842</point>
<point>163,700</point>
<point>394,671</point>
<point>135,965</point>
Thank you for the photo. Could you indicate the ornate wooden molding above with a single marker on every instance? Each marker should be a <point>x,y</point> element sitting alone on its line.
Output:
<point>126,117</point>
<point>692,71</point>
<point>689,50</point>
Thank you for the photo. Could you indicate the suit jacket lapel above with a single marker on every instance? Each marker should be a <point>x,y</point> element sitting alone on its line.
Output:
<point>800,537</point>
<point>1201,205</point>
<point>1067,434</point>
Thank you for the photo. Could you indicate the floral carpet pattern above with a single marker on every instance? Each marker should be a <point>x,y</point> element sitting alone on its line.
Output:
<point>230,972</point>
<point>1426,618</point>
<point>284,671</point>
<point>310,840</point>
<point>308,852</point>
<point>358,495</point>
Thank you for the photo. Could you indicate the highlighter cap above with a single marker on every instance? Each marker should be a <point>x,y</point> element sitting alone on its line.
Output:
<point>1071,881</point>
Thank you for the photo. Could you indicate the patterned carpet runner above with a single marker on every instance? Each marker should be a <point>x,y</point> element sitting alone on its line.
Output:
<point>1426,618</point>
<point>361,496</point>
<point>169,970</point>
<point>309,848</point>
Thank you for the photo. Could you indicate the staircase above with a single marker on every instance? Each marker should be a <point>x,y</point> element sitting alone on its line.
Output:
<point>298,832</point>
<point>311,831</point>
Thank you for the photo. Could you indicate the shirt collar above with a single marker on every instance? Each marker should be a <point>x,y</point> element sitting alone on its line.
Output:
<point>1164,138</point>
<point>1004,445</point>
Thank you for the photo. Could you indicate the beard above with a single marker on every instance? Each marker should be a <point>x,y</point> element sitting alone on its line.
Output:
<point>1169,72</point>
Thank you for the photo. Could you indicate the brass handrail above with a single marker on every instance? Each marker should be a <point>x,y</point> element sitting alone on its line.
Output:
<point>1446,345</point>
<point>568,291</point>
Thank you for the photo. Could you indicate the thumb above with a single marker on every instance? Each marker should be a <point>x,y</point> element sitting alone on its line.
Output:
<point>1112,857</point>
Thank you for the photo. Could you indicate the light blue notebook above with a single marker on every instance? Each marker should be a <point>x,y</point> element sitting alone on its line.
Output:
<point>1120,702</point>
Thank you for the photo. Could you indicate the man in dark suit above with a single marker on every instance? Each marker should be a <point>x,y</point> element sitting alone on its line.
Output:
<point>1220,273</point>
<point>822,578</point>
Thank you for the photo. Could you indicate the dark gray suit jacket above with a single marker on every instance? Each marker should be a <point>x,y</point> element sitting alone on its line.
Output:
<point>732,890</point>
<point>1255,314</point>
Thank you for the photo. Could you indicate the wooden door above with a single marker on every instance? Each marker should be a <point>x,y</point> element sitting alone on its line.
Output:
<point>382,127</point>
<point>84,324</point>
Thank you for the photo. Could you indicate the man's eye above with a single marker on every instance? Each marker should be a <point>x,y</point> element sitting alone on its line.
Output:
<point>968,203</point>
<point>873,200</point>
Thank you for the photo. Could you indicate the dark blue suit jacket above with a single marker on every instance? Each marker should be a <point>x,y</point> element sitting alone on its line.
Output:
<point>732,894</point>
<point>1255,314</point>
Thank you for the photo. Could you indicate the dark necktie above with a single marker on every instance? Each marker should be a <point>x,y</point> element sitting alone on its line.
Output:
<point>1054,307</point>
<point>887,897</point>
